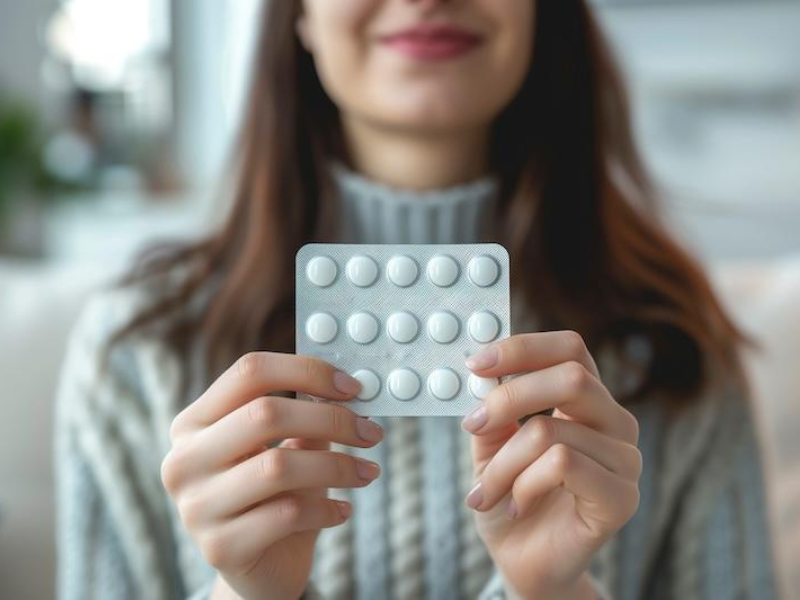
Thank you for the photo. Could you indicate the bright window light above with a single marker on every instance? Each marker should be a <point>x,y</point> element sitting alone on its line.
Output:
<point>102,39</point>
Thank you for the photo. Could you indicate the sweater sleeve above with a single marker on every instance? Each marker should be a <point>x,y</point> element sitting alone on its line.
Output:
<point>204,593</point>
<point>111,550</point>
<point>91,561</point>
<point>719,545</point>
<point>115,538</point>
<point>495,588</point>
<point>717,541</point>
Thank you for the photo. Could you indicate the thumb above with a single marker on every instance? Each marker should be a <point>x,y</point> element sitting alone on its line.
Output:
<point>485,446</point>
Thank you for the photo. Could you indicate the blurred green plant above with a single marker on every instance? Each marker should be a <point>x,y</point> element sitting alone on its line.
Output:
<point>24,176</point>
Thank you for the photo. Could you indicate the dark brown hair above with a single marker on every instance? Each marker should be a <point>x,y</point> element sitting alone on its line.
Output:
<point>576,212</point>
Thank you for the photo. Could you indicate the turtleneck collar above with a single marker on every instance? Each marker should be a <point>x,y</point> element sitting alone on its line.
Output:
<point>376,213</point>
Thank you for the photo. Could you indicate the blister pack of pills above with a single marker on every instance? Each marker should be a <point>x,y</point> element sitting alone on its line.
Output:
<point>402,319</point>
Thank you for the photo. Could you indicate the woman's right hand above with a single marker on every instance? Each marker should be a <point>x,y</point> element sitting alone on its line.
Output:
<point>254,511</point>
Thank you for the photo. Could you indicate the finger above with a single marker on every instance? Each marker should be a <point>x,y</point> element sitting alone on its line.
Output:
<point>260,373</point>
<point>297,443</point>
<point>604,501</point>
<point>539,434</point>
<point>530,352</point>
<point>568,387</point>
<point>485,446</point>
<point>239,542</point>
<point>279,470</point>
<point>271,418</point>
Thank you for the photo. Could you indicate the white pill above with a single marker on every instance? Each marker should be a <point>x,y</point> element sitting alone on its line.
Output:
<point>370,384</point>
<point>483,270</point>
<point>321,271</point>
<point>443,327</point>
<point>321,327</point>
<point>443,384</point>
<point>442,270</point>
<point>483,327</point>
<point>403,384</point>
<point>362,327</point>
<point>402,271</point>
<point>481,386</point>
<point>402,327</point>
<point>362,271</point>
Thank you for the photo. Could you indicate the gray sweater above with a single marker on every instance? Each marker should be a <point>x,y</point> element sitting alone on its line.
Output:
<point>700,531</point>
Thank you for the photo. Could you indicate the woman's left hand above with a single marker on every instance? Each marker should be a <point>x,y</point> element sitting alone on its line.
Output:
<point>549,493</point>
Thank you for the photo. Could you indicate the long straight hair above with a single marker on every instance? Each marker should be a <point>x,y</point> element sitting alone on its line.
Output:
<point>576,212</point>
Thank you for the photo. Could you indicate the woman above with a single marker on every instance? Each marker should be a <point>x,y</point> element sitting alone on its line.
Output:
<point>185,470</point>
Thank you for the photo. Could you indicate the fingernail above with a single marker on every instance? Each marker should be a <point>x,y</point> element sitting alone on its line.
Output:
<point>512,509</point>
<point>475,420</point>
<point>482,360</point>
<point>344,508</point>
<point>475,496</point>
<point>368,430</point>
<point>346,384</point>
<point>367,469</point>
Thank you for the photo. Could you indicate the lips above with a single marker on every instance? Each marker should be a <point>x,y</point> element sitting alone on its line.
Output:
<point>432,42</point>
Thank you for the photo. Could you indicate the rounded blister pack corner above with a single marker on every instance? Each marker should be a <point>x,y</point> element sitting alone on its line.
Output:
<point>346,308</point>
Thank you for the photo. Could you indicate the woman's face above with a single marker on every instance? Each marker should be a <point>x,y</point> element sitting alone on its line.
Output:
<point>426,80</point>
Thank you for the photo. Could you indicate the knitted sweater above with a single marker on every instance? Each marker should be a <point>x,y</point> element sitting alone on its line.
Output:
<point>700,531</point>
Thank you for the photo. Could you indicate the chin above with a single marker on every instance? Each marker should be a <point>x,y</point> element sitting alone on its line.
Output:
<point>444,113</point>
<point>428,124</point>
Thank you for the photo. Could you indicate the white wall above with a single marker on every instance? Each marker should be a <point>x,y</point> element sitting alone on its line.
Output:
<point>20,46</point>
<point>731,171</point>
<point>212,45</point>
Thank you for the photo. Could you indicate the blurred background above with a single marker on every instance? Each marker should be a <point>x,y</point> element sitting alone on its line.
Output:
<point>116,119</point>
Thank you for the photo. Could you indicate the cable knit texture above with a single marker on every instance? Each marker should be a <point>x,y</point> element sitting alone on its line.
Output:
<point>700,532</point>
